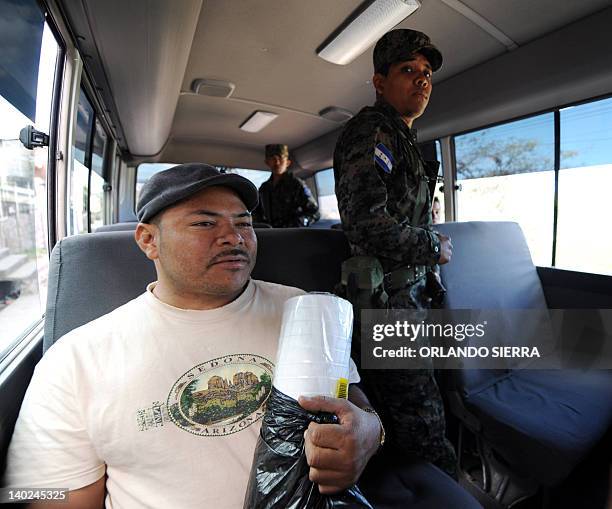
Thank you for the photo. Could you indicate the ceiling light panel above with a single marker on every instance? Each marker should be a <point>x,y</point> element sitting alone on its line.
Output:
<point>376,20</point>
<point>257,121</point>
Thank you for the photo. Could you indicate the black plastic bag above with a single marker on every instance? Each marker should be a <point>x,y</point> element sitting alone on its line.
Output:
<point>279,474</point>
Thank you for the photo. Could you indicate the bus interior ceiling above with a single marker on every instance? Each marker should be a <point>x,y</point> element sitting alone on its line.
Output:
<point>499,63</point>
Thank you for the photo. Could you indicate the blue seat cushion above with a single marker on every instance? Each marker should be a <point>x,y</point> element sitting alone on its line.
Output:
<point>544,422</point>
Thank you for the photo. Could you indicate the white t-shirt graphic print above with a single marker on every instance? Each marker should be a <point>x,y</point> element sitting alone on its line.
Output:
<point>167,401</point>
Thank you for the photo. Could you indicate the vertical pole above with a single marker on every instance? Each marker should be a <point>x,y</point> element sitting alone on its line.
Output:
<point>450,177</point>
<point>556,199</point>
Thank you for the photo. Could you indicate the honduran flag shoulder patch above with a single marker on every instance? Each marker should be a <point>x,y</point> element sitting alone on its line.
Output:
<point>383,158</point>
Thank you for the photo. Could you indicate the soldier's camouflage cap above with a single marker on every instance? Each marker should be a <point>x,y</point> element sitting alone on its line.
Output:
<point>400,45</point>
<point>277,150</point>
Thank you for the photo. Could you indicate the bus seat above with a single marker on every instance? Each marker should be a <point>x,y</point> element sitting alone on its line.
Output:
<point>117,227</point>
<point>307,258</point>
<point>89,276</point>
<point>540,422</point>
<point>92,274</point>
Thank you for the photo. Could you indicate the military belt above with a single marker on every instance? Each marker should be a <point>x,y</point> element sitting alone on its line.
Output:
<point>406,276</point>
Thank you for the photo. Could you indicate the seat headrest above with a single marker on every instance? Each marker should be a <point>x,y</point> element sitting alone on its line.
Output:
<point>491,268</point>
<point>92,274</point>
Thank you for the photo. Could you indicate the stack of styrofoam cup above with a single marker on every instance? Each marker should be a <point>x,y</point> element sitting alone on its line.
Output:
<point>314,345</point>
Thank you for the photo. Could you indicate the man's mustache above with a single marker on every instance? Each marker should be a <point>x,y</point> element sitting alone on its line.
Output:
<point>230,253</point>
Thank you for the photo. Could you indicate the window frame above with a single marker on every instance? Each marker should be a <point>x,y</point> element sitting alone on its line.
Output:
<point>556,111</point>
<point>218,166</point>
<point>108,154</point>
<point>54,132</point>
<point>29,337</point>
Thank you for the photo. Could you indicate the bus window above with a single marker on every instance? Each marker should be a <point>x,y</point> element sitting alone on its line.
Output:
<point>438,197</point>
<point>432,151</point>
<point>506,173</point>
<point>97,194</point>
<point>146,170</point>
<point>79,176</point>
<point>88,176</point>
<point>328,204</point>
<point>585,180</point>
<point>26,91</point>
<point>258,177</point>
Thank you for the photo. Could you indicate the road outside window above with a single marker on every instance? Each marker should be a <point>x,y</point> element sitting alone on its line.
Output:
<point>24,257</point>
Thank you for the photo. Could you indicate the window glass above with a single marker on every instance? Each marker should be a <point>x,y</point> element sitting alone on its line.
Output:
<point>97,200</point>
<point>79,174</point>
<point>328,204</point>
<point>432,151</point>
<point>88,199</point>
<point>146,170</point>
<point>506,173</point>
<point>79,187</point>
<point>23,179</point>
<point>258,177</point>
<point>84,125</point>
<point>98,197</point>
<point>585,180</point>
<point>438,214</point>
<point>99,149</point>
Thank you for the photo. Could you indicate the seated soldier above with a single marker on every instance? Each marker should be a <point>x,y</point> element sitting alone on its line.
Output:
<point>284,200</point>
<point>136,408</point>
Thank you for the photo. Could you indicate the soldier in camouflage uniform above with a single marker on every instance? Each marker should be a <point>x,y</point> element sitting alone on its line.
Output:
<point>284,200</point>
<point>384,189</point>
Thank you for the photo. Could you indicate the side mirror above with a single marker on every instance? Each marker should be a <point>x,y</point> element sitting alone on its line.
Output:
<point>31,138</point>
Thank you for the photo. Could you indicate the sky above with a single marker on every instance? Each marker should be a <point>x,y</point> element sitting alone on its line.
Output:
<point>586,133</point>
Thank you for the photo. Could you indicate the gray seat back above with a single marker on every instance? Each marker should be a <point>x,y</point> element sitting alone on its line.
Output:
<point>117,227</point>
<point>92,274</point>
<point>491,268</point>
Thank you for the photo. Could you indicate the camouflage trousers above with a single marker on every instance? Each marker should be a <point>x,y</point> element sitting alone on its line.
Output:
<point>409,401</point>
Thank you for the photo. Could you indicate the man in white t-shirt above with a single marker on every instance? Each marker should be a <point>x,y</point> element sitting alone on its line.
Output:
<point>159,403</point>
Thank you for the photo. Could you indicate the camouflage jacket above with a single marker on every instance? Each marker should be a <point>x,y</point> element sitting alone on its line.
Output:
<point>384,189</point>
<point>287,204</point>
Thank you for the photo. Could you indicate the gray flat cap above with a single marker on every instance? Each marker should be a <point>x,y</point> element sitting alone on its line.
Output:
<point>170,186</point>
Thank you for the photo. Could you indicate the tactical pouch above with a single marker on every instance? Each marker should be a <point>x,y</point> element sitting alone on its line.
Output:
<point>435,289</point>
<point>362,283</point>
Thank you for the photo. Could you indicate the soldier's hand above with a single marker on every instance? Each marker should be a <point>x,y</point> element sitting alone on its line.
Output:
<point>338,453</point>
<point>446,249</point>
